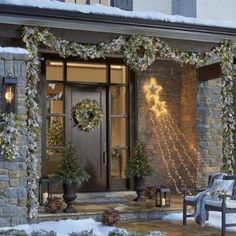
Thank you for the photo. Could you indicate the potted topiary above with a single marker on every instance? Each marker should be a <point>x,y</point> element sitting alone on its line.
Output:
<point>138,166</point>
<point>71,175</point>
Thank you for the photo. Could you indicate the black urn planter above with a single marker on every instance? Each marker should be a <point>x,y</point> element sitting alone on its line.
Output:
<point>139,187</point>
<point>69,196</point>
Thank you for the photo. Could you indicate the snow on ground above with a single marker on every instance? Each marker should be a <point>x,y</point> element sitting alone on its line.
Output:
<point>13,50</point>
<point>65,227</point>
<point>214,219</point>
<point>99,9</point>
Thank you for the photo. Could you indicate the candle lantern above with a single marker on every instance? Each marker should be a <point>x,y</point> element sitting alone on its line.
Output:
<point>9,94</point>
<point>163,196</point>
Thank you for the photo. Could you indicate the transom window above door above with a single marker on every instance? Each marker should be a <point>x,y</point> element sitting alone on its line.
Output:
<point>84,72</point>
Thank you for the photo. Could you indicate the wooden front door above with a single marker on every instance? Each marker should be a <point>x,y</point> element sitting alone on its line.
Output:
<point>91,146</point>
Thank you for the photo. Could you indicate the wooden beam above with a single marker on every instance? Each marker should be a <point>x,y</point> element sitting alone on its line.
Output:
<point>209,72</point>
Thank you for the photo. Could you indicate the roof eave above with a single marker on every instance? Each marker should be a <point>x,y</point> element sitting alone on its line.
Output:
<point>32,16</point>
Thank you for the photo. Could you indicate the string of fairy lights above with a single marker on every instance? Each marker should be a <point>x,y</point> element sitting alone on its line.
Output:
<point>197,154</point>
<point>177,150</point>
<point>174,132</point>
<point>168,151</point>
<point>172,142</point>
<point>169,174</point>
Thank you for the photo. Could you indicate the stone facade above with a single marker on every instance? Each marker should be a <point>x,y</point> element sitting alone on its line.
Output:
<point>209,127</point>
<point>13,174</point>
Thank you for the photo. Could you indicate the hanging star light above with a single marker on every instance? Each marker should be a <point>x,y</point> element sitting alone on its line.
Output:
<point>152,92</point>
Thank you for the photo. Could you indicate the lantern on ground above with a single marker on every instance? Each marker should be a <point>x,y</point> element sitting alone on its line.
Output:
<point>163,197</point>
<point>9,94</point>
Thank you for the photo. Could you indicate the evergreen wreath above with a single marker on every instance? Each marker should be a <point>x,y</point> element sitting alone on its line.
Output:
<point>87,115</point>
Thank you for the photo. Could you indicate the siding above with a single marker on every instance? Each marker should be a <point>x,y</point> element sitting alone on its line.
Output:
<point>216,9</point>
<point>163,6</point>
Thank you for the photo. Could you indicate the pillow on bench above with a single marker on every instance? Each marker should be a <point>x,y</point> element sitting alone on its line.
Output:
<point>221,186</point>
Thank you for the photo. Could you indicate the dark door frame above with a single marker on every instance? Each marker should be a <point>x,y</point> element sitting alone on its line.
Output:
<point>132,111</point>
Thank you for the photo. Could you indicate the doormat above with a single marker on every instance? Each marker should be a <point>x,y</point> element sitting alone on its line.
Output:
<point>101,200</point>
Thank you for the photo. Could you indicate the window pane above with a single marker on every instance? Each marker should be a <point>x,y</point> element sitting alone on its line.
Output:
<point>53,159</point>
<point>118,163</point>
<point>55,102</point>
<point>55,131</point>
<point>83,72</point>
<point>118,100</point>
<point>54,70</point>
<point>118,74</point>
<point>118,132</point>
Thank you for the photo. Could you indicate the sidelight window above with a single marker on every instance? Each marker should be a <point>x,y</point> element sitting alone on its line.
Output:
<point>119,121</point>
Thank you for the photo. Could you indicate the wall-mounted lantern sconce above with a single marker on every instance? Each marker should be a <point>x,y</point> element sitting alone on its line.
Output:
<point>9,94</point>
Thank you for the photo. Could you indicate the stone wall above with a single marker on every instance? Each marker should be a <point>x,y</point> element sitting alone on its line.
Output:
<point>171,138</point>
<point>209,128</point>
<point>13,174</point>
<point>235,120</point>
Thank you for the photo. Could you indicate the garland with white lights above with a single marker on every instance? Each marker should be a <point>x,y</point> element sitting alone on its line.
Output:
<point>9,134</point>
<point>139,53</point>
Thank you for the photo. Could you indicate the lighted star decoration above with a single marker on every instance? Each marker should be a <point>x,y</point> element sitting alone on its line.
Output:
<point>152,92</point>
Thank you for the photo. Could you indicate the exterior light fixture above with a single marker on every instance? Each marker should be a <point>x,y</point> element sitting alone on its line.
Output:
<point>9,94</point>
<point>163,196</point>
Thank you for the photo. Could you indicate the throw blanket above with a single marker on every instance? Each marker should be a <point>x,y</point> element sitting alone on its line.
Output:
<point>200,199</point>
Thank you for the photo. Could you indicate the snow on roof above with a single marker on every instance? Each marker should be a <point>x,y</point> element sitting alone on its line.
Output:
<point>113,11</point>
<point>13,50</point>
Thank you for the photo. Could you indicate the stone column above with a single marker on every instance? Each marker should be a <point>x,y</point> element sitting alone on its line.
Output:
<point>13,174</point>
<point>209,109</point>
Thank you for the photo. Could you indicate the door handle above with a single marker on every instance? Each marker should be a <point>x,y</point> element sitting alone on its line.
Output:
<point>104,154</point>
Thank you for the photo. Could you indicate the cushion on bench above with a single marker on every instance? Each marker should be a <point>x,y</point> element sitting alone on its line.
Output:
<point>229,203</point>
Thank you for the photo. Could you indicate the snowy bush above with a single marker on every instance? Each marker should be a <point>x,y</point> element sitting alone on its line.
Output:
<point>13,232</point>
<point>43,233</point>
<point>119,232</point>
<point>83,233</point>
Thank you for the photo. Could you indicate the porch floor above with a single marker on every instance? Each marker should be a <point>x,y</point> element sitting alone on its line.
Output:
<point>92,205</point>
<point>172,228</point>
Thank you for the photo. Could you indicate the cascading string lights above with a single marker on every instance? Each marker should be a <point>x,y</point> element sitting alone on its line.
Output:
<point>163,157</point>
<point>168,151</point>
<point>173,131</point>
<point>199,159</point>
<point>167,129</point>
<point>176,149</point>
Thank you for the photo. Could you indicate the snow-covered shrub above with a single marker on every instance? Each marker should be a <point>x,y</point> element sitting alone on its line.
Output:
<point>43,233</point>
<point>13,232</point>
<point>119,232</point>
<point>83,233</point>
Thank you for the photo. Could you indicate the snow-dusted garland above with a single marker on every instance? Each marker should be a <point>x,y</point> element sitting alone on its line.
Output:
<point>139,53</point>
<point>9,133</point>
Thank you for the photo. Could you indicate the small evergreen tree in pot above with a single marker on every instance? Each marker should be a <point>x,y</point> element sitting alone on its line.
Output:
<point>138,166</point>
<point>71,175</point>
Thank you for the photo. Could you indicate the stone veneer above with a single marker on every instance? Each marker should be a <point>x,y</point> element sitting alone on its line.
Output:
<point>13,174</point>
<point>195,109</point>
<point>209,127</point>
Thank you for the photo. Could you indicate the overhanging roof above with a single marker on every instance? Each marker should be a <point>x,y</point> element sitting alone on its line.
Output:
<point>33,16</point>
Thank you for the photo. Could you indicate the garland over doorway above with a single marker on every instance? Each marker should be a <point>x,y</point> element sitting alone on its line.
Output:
<point>139,52</point>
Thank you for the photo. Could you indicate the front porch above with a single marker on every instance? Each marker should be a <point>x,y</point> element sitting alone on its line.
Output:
<point>92,205</point>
